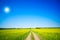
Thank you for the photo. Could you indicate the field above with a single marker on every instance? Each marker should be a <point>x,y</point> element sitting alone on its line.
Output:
<point>13,34</point>
<point>48,34</point>
<point>21,34</point>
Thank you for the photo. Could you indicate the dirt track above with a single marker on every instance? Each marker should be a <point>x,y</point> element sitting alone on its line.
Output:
<point>34,35</point>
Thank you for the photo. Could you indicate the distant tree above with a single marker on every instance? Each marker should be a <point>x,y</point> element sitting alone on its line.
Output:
<point>38,28</point>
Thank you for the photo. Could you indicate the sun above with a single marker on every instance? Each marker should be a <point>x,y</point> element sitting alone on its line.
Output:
<point>6,9</point>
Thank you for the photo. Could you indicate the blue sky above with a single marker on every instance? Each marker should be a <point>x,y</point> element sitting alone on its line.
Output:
<point>29,13</point>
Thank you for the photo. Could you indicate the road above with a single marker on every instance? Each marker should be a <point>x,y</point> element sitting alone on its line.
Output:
<point>34,35</point>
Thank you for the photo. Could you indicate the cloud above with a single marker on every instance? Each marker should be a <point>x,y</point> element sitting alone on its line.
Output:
<point>28,21</point>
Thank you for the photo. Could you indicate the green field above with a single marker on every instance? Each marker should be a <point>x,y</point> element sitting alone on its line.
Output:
<point>48,34</point>
<point>21,34</point>
<point>13,34</point>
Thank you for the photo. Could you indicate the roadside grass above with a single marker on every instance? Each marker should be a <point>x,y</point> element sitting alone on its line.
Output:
<point>16,34</point>
<point>48,34</point>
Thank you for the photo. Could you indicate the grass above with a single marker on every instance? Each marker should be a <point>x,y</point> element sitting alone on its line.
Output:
<point>48,34</point>
<point>15,34</point>
<point>21,34</point>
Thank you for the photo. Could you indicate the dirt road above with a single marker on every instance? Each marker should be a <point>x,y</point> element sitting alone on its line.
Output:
<point>34,35</point>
